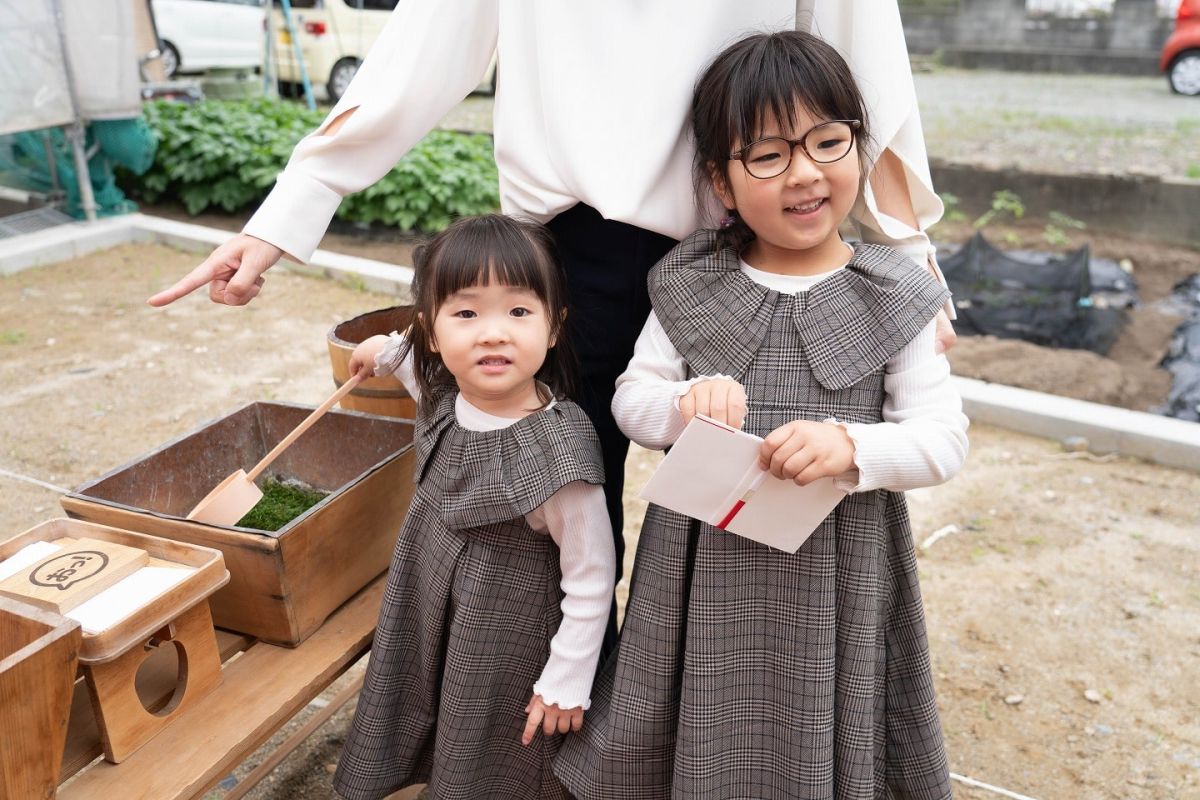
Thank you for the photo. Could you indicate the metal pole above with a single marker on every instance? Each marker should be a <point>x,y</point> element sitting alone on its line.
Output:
<point>270,86</point>
<point>75,131</point>
<point>291,26</point>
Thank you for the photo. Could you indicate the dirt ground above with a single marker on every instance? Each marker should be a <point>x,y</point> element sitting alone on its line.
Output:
<point>1063,609</point>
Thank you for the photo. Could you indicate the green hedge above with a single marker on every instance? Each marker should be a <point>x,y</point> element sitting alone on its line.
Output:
<point>226,154</point>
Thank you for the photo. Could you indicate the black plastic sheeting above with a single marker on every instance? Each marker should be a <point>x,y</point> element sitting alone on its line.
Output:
<point>1183,353</point>
<point>1070,301</point>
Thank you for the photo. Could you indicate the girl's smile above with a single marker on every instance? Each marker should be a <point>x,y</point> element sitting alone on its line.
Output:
<point>494,365</point>
<point>806,209</point>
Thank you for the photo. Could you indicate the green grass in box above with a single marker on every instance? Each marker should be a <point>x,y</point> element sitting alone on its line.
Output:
<point>280,504</point>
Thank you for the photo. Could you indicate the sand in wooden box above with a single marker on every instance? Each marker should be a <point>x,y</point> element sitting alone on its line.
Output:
<point>283,584</point>
<point>162,601</point>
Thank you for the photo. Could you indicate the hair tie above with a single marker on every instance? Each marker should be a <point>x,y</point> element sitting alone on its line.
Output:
<point>727,221</point>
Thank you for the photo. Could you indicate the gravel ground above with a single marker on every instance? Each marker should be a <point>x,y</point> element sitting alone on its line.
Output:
<point>1064,124</point>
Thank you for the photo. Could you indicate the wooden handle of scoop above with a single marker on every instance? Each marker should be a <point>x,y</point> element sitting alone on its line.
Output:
<point>303,426</point>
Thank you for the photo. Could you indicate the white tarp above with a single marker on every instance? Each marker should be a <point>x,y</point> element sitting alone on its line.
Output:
<point>102,54</point>
<point>33,80</point>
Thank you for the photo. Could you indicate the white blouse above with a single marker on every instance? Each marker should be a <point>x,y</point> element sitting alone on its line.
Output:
<point>576,518</point>
<point>922,440</point>
<point>591,106</point>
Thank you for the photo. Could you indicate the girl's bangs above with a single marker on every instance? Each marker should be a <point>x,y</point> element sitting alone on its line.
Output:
<point>477,257</point>
<point>774,82</point>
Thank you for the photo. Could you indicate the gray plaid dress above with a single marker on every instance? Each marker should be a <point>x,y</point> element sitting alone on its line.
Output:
<point>471,604</point>
<point>748,672</point>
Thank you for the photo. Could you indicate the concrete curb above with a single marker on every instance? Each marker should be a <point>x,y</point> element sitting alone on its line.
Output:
<point>71,241</point>
<point>1163,440</point>
<point>1167,441</point>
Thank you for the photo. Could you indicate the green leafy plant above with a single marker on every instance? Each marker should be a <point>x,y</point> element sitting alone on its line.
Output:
<point>226,154</point>
<point>1054,236</point>
<point>1054,232</point>
<point>1005,204</point>
<point>446,175</point>
<point>953,212</point>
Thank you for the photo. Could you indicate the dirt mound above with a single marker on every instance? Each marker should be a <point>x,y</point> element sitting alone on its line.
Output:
<point>1070,373</point>
<point>1130,375</point>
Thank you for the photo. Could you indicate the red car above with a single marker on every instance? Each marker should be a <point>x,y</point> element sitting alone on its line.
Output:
<point>1181,54</point>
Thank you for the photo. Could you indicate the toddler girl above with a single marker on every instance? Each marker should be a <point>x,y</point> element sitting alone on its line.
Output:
<point>500,585</point>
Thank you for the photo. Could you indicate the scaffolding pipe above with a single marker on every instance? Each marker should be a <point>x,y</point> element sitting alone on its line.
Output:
<point>75,131</point>
<point>293,33</point>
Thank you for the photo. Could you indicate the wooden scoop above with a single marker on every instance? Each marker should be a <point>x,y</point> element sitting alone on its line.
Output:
<point>237,494</point>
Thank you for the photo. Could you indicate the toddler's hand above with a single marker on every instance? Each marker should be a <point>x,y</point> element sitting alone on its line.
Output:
<point>550,718</point>
<point>803,451</point>
<point>722,399</point>
<point>363,357</point>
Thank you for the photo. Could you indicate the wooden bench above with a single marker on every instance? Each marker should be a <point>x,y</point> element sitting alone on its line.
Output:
<point>263,687</point>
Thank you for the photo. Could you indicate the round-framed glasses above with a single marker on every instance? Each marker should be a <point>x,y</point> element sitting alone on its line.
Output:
<point>822,144</point>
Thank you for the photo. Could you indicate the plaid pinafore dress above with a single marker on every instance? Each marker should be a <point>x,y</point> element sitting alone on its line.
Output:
<point>744,671</point>
<point>471,603</point>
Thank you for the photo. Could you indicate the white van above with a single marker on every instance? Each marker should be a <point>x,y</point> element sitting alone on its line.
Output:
<point>195,35</point>
<point>334,37</point>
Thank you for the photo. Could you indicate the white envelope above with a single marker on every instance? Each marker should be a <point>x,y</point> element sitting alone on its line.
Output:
<point>711,474</point>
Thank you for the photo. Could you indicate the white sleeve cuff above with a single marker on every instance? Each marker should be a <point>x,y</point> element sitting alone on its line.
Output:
<point>683,387</point>
<point>295,214</point>
<point>389,360</point>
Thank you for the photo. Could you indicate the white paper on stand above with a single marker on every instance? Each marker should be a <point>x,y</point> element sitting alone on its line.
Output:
<point>711,474</point>
<point>126,596</point>
<point>27,556</point>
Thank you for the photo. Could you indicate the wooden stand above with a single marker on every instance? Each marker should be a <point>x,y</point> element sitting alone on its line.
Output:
<point>123,720</point>
<point>263,688</point>
<point>111,658</point>
<point>38,652</point>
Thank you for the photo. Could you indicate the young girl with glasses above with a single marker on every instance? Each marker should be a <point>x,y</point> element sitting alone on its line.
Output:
<point>745,671</point>
<point>501,581</point>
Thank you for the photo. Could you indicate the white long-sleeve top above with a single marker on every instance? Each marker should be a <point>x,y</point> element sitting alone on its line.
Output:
<point>921,442</point>
<point>592,106</point>
<point>576,518</point>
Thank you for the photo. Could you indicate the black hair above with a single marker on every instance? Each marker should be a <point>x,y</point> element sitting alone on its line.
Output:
<point>761,77</point>
<point>473,251</point>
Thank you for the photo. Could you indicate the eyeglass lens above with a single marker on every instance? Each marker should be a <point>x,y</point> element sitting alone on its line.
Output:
<point>823,144</point>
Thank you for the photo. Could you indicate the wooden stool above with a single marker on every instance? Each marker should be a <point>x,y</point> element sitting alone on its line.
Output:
<point>125,724</point>
<point>172,613</point>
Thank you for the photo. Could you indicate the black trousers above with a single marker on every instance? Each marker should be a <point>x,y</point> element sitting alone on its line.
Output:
<point>606,264</point>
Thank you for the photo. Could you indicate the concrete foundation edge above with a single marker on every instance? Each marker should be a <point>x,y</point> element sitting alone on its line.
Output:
<point>78,239</point>
<point>1163,440</point>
